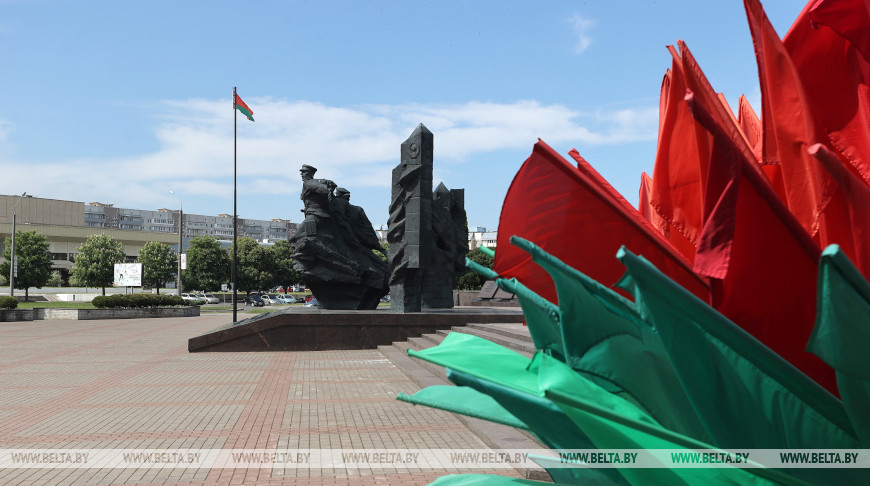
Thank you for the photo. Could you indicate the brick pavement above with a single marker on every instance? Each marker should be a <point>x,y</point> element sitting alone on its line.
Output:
<point>131,384</point>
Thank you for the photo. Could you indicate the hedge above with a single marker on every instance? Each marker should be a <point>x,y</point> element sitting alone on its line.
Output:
<point>8,302</point>
<point>136,300</point>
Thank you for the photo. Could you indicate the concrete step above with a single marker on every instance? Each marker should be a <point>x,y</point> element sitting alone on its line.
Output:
<point>421,342</point>
<point>413,367</point>
<point>432,368</point>
<point>520,344</point>
<point>517,331</point>
<point>434,339</point>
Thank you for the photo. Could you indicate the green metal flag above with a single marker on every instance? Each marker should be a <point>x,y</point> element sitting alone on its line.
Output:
<point>609,421</point>
<point>747,396</point>
<point>463,400</point>
<point>614,426</point>
<point>543,318</point>
<point>605,339</point>
<point>549,423</point>
<point>515,388</point>
<point>484,480</point>
<point>841,336</point>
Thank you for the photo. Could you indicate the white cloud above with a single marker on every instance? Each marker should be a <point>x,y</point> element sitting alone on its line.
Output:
<point>358,145</point>
<point>581,27</point>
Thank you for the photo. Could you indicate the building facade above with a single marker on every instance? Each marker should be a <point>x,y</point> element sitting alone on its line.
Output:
<point>480,236</point>
<point>67,224</point>
<point>477,236</point>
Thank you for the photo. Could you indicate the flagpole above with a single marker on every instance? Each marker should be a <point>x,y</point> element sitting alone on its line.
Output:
<point>235,208</point>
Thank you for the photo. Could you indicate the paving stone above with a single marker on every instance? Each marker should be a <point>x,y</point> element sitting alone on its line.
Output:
<point>131,384</point>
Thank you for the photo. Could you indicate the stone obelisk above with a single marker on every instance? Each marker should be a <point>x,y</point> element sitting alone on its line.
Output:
<point>409,230</point>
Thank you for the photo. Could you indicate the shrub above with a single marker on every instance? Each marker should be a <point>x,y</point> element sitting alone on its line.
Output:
<point>173,300</point>
<point>155,300</point>
<point>100,301</point>
<point>8,302</point>
<point>144,300</point>
<point>118,301</point>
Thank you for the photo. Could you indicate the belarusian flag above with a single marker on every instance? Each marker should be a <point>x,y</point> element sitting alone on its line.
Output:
<point>241,106</point>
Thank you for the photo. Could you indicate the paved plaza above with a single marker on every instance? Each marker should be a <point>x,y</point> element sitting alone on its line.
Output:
<point>132,385</point>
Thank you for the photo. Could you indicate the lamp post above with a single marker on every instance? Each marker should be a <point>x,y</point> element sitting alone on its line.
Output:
<point>12,259</point>
<point>180,234</point>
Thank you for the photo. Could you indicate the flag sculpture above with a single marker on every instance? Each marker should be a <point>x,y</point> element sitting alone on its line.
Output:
<point>710,317</point>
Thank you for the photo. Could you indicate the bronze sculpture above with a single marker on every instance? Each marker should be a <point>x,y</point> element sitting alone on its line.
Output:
<point>333,252</point>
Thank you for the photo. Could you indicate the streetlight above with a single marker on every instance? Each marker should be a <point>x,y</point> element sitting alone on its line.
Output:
<point>180,233</point>
<point>12,259</point>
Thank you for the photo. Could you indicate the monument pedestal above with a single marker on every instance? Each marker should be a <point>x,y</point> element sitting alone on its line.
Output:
<point>311,329</point>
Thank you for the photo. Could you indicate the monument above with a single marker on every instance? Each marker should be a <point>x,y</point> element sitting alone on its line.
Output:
<point>449,247</point>
<point>332,249</point>
<point>427,232</point>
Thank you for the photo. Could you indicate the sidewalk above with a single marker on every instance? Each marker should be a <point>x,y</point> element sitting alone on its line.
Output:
<point>131,384</point>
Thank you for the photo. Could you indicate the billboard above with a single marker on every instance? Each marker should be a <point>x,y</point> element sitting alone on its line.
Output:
<point>128,275</point>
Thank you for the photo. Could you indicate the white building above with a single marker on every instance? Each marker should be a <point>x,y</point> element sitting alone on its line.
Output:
<point>480,236</point>
<point>477,236</point>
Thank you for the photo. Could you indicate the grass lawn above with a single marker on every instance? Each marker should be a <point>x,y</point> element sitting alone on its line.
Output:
<point>56,305</point>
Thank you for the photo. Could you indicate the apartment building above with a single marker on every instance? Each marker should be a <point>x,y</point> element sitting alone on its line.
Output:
<point>67,224</point>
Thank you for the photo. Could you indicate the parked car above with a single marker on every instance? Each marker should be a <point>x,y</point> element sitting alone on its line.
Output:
<point>276,298</point>
<point>266,299</point>
<point>208,298</point>
<point>192,299</point>
<point>312,303</point>
<point>288,299</point>
<point>254,300</point>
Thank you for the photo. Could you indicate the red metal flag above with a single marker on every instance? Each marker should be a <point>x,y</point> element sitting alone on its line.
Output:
<point>823,196</point>
<point>788,124</point>
<point>678,176</point>
<point>766,263</point>
<point>573,214</point>
<point>829,44</point>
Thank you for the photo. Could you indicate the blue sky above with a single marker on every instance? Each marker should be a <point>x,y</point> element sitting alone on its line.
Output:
<point>121,102</point>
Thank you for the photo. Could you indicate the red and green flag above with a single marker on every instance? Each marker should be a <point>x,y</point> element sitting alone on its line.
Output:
<point>241,106</point>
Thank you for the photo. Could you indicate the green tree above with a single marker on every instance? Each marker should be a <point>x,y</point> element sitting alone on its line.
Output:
<point>34,260</point>
<point>159,264</point>
<point>470,280</point>
<point>55,279</point>
<point>95,261</point>
<point>255,269</point>
<point>208,264</point>
<point>282,256</point>
<point>383,254</point>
